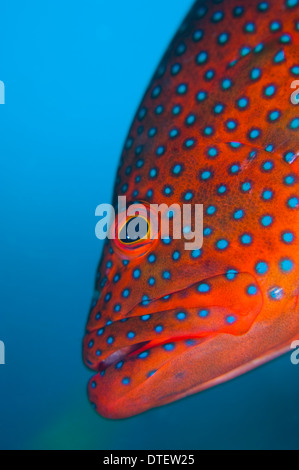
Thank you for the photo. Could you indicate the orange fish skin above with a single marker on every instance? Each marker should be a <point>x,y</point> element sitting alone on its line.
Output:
<point>216,127</point>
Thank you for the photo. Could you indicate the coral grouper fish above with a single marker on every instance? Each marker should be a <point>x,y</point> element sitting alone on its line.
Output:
<point>217,127</point>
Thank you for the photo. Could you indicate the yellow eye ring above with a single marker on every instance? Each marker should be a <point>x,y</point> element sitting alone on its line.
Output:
<point>136,231</point>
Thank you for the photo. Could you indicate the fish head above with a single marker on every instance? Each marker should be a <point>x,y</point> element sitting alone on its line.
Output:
<point>176,313</point>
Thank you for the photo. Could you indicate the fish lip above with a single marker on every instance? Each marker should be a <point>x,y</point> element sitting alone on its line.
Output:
<point>138,347</point>
<point>122,354</point>
<point>129,349</point>
<point>127,314</point>
<point>133,349</point>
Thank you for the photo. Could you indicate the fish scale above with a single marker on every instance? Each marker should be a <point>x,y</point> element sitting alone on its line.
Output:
<point>216,127</point>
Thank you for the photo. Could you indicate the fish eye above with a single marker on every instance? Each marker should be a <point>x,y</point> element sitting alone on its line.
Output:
<point>136,230</point>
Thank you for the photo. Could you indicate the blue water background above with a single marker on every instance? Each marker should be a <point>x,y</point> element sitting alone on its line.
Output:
<point>74,74</point>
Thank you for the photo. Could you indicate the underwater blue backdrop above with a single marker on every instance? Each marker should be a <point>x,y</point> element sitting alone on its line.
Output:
<point>74,74</point>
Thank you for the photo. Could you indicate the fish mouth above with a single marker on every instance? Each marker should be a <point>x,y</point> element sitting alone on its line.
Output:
<point>144,325</point>
<point>130,354</point>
